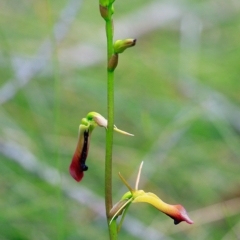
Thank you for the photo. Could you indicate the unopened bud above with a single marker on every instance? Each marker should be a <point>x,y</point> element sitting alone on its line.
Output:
<point>120,45</point>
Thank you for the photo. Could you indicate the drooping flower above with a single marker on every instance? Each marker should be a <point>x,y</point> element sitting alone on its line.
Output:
<point>176,212</point>
<point>78,164</point>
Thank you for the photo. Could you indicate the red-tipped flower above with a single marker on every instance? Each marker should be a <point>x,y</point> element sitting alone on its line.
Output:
<point>78,164</point>
<point>176,212</point>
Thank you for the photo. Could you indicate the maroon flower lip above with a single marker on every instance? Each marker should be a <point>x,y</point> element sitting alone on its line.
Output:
<point>78,165</point>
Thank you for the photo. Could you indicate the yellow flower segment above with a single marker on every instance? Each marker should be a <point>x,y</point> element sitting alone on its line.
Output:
<point>176,212</point>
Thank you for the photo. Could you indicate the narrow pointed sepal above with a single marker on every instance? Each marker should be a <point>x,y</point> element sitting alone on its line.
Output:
<point>121,131</point>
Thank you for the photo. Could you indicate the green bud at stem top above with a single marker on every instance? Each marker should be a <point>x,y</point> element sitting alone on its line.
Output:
<point>121,45</point>
<point>106,9</point>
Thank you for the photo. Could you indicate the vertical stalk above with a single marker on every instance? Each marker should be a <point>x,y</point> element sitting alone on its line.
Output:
<point>109,144</point>
<point>109,137</point>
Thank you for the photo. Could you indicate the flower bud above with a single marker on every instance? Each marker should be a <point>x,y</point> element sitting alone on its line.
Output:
<point>120,45</point>
<point>106,9</point>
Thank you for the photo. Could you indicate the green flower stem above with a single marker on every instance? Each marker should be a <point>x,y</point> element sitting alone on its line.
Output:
<point>109,33</point>
<point>113,233</point>
<point>109,144</point>
<point>109,138</point>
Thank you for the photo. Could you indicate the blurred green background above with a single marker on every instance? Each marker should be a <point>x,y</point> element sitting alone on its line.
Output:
<point>177,90</point>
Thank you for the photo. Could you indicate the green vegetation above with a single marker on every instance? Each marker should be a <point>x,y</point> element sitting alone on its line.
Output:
<point>181,102</point>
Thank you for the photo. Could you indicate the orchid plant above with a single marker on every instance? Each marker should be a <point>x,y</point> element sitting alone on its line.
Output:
<point>93,119</point>
<point>176,212</point>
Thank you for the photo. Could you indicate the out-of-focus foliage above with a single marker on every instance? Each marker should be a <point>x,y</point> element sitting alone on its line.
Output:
<point>177,90</point>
